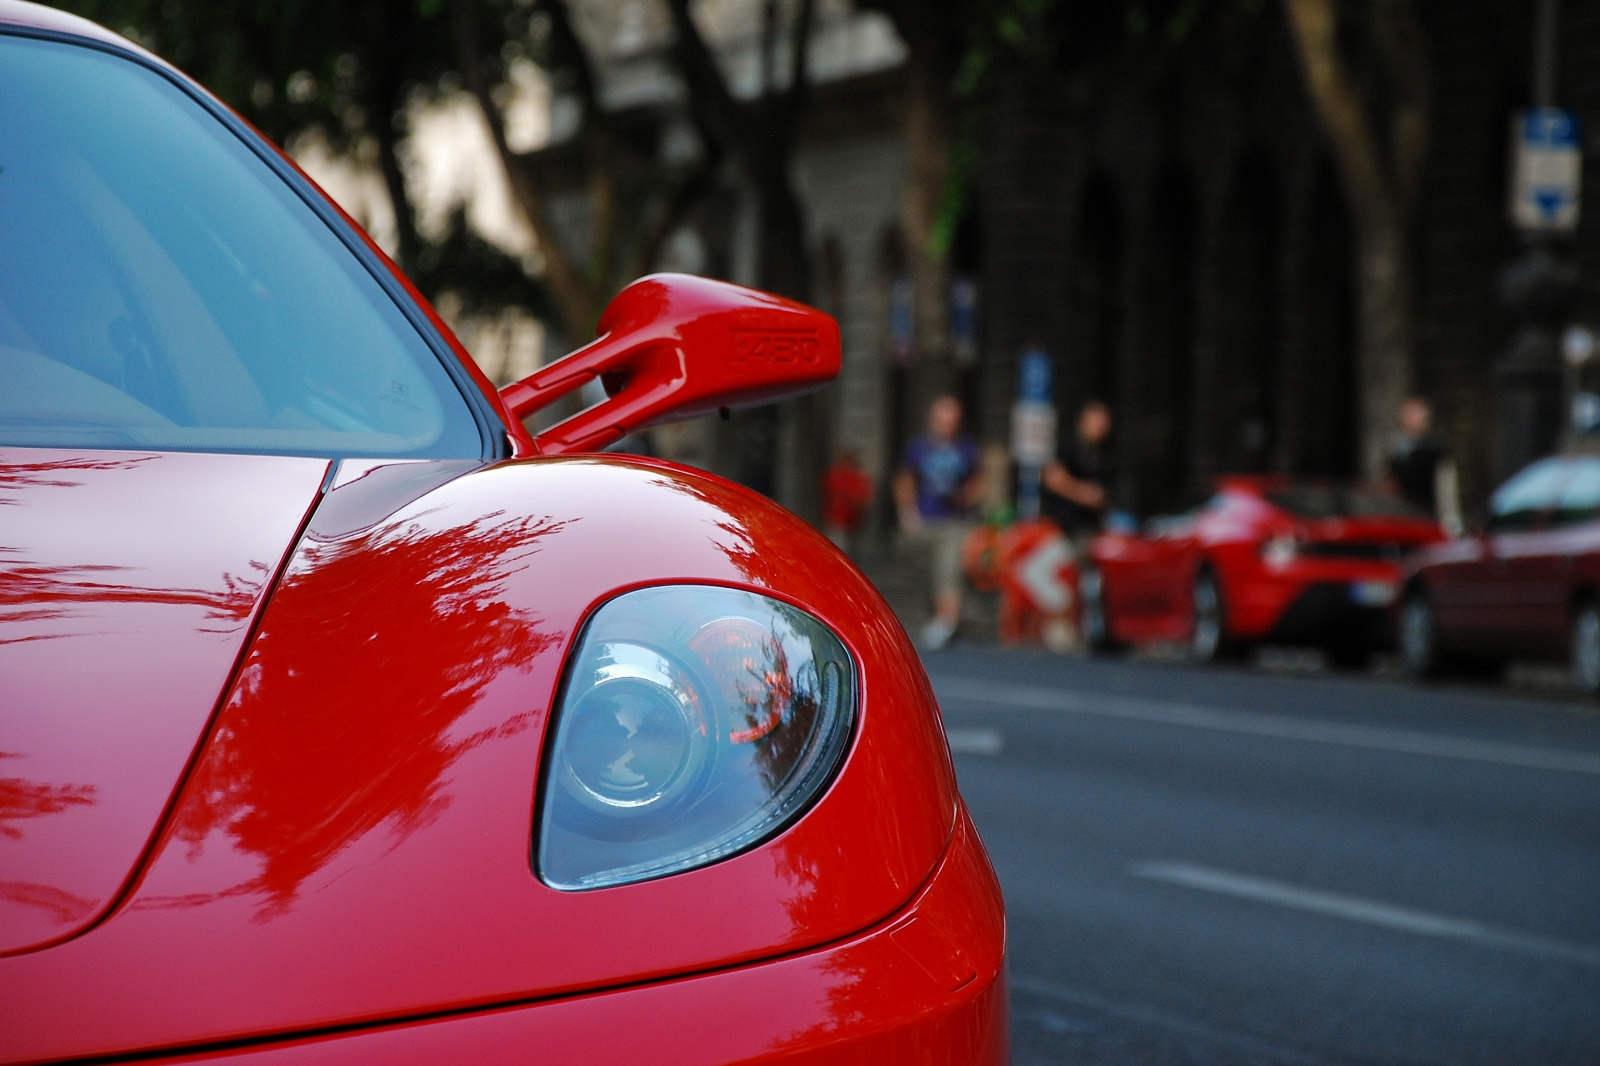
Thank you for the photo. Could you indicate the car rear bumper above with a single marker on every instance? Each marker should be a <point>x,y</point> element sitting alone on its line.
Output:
<point>1327,612</point>
<point>926,986</point>
<point>1312,601</point>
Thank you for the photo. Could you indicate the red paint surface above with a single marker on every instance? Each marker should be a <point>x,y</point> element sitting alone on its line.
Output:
<point>1149,578</point>
<point>674,346</point>
<point>354,843</point>
<point>128,583</point>
<point>869,1000</point>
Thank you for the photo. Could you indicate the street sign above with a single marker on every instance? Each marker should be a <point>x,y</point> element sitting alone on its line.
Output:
<point>900,320</point>
<point>964,320</point>
<point>1033,418</point>
<point>1033,427</point>
<point>1033,433</point>
<point>1546,169</point>
<point>1033,376</point>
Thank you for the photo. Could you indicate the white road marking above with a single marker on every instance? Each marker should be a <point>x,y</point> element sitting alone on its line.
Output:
<point>975,741</point>
<point>1371,912</point>
<point>1255,723</point>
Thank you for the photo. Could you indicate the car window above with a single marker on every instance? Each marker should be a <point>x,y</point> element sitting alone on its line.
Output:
<point>1340,501</point>
<point>1580,498</point>
<point>1179,525</point>
<point>1529,497</point>
<point>161,287</point>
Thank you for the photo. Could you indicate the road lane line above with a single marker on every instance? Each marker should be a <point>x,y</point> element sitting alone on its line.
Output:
<point>1256,723</point>
<point>1084,999</point>
<point>975,741</point>
<point>1371,912</point>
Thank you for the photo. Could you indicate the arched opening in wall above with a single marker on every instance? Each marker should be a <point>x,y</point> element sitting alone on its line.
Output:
<point>1088,368</point>
<point>964,310</point>
<point>830,286</point>
<point>1242,419</point>
<point>1327,423</point>
<point>1161,454</point>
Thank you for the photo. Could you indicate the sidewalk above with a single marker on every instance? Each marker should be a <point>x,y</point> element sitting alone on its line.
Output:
<point>900,573</point>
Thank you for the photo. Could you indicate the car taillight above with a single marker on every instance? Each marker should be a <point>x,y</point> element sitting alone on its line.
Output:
<point>695,722</point>
<point>1280,551</point>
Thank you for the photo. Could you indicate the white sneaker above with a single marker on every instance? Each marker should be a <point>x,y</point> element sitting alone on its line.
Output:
<point>936,634</point>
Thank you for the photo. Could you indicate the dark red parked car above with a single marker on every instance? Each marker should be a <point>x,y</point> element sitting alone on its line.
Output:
<point>1525,584</point>
<point>1265,559</point>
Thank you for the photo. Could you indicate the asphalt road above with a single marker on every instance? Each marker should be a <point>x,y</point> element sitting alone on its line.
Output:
<point>1230,866</point>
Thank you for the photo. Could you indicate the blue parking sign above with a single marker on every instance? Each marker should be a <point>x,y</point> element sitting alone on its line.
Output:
<point>1033,376</point>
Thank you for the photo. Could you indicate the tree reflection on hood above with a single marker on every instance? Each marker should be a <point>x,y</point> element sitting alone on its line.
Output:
<point>342,718</point>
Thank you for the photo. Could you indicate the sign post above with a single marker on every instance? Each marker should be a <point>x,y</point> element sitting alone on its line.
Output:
<point>1033,428</point>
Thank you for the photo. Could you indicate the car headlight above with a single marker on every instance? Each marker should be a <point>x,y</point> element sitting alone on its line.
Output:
<point>695,721</point>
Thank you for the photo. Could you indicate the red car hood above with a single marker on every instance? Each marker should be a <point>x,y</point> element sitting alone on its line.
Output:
<point>128,583</point>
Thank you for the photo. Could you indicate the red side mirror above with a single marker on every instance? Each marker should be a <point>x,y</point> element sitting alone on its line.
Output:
<point>674,346</point>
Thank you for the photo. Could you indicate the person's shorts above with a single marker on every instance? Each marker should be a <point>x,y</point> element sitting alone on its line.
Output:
<point>944,539</point>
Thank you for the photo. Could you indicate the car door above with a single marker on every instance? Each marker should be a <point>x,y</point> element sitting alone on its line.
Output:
<point>1553,561</point>
<point>1514,605</point>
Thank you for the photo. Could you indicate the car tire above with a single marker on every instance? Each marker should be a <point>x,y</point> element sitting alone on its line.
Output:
<point>1586,648</point>
<point>1208,636</point>
<point>1092,604</point>
<point>1419,636</point>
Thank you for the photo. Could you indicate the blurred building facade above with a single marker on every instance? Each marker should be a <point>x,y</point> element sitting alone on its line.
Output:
<point>1166,221</point>
<point>1171,225</point>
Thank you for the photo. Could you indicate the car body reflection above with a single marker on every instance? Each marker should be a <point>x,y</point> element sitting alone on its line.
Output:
<point>442,633</point>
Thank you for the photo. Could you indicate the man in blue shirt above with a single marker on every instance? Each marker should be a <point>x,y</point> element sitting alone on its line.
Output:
<point>935,491</point>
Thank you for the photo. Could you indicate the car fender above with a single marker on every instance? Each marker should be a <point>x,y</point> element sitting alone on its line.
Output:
<point>366,797</point>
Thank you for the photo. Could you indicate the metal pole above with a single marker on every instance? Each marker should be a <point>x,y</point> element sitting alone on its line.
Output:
<point>1028,478</point>
<point>1545,30</point>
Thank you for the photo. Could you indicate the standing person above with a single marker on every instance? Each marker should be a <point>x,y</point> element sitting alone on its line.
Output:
<point>846,494</point>
<point>1076,483</point>
<point>938,484</point>
<point>1421,469</point>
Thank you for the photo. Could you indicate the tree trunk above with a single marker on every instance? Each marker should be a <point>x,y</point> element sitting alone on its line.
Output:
<point>385,100</point>
<point>573,298</point>
<point>1379,199</point>
<point>1384,301</point>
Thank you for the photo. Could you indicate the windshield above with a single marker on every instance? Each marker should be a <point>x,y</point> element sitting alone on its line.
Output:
<point>1335,501</point>
<point>161,287</point>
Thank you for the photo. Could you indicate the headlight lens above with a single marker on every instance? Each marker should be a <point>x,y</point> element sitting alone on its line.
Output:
<point>695,722</point>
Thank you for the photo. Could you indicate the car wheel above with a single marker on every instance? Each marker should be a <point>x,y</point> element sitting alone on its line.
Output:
<point>1586,649</point>
<point>1207,642</point>
<point>1419,636</point>
<point>1091,598</point>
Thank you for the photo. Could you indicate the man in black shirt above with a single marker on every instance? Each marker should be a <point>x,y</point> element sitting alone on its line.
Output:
<point>1077,484</point>
<point>1420,468</point>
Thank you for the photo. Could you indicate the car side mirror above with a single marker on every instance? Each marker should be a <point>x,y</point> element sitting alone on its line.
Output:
<point>673,346</point>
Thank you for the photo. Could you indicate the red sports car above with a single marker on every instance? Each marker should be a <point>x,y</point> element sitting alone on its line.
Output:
<point>344,721</point>
<point>1265,559</point>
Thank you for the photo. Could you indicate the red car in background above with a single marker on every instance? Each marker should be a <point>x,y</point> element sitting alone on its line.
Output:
<point>1266,559</point>
<point>1524,584</point>
<point>342,720</point>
